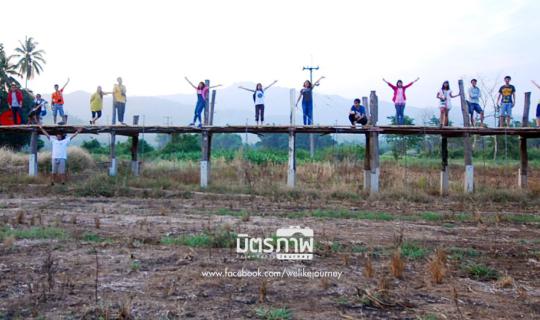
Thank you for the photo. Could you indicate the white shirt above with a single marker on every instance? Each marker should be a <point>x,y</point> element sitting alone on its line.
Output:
<point>59,148</point>
<point>399,96</point>
<point>448,101</point>
<point>14,100</point>
<point>259,97</point>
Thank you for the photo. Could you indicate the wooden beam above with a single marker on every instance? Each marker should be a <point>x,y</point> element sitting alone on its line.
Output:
<point>365,103</point>
<point>212,104</point>
<point>467,146</point>
<point>113,166</point>
<point>33,157</point>
<point>367,164</point>
<point>523,155</point>
<point>443,190</point>
<point>206,107</point>
<point>135,155</point>
<point>374,145</point>
<point>206,146</point>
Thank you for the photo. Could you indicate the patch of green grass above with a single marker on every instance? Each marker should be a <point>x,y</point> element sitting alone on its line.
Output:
<point>273,314</point>
<point>462,253</point>
<point>230,212</point>
<point>359,249</point>
<point>34,233</point>
<point>413,251</point>
<point>431,216</point>
<point>523,218</point>
<point>480,272</point>
<point>92,237</point>
<point>448,225</point>
<point>220,238</point>
<point>135,265</point>
<point>462,217</point>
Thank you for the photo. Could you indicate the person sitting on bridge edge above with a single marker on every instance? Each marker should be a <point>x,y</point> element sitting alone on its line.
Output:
<point>400,99</point>
<point>202,97</point>
<point>96,104</point>
<point>506,100</point>
<point>57,101</point>
<point>15,100</point>
<point>306,94</point>
<point>474,103</point>
<point>358,114</point>
<point>59,154</point>
<point>538,106</point>
<point>258,99</point>
<point>445,96</point>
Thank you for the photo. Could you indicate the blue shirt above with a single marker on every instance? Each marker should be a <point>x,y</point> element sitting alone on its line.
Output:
<point>360,111</point>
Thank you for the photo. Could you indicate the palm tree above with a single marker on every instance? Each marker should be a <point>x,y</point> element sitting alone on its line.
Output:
<point>30,59</point>
<point>8,70</point>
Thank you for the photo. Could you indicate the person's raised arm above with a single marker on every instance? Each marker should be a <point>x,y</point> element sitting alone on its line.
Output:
<point>317,82</point>
<point>412,82</point>
<point>191,83</point>
<point>536,84</point>
<point>65,84</point>
<point>389,84</point>
<point>212,87</point>
<point>240,87</point>
<point>268,86</point>
<point>45,133</point>
<point>75,134</point>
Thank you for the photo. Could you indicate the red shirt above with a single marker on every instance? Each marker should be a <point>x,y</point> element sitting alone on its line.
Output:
<point>57,97</point>
<point>19,95</point>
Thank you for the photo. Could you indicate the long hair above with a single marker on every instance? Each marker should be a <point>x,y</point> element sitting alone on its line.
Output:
<point>445,85</point>
<point>399,84</point>
<point>308,83</point>
<point>258,87</point>
<point>201,85</point>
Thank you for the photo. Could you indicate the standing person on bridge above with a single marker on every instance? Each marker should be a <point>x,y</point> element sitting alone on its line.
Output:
<point>306,94</point>
<point>119,101</point>
<point>258,99</point>
<point>202,97</point>
<point>537,107</point>
<point>57,101</point>
<point>59,154</point>
<point>96,104</point>
<point>474,103</point>
<point>358,114</point>
<point>506,100</point>
<point>400,99</point>
<point>445,96</point>
<point>15,100</point>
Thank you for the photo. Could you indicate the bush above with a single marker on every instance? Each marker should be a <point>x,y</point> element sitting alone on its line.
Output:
<point>78,160</point>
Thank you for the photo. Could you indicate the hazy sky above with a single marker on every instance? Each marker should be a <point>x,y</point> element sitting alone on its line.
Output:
<point>153,44</point>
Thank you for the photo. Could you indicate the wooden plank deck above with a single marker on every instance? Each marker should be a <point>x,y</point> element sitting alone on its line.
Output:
<point>400,130</point>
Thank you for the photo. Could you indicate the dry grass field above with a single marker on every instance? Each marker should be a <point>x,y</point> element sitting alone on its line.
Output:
<point>136,248</point>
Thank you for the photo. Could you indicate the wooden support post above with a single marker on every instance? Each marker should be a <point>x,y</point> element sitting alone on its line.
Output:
<point>135,150</point>
<point>206,145</point>
<point>367,164</point>
<point>365,103</point>
<point>291,172</point>
<point>212,104</point>
<point>206,107</point>
<point>444,166</point>
<point>33,159</point>
<point>374,145</point>
<point>524,157</point>
<point>291,169</point>
<point>311,145</point>
<point>113,168</point>
<point>467,146</point>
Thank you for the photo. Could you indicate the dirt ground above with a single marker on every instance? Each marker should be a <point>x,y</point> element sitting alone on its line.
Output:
<point>138,276</point>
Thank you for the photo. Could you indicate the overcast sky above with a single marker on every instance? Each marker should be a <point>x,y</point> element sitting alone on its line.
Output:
<point>154,44</point>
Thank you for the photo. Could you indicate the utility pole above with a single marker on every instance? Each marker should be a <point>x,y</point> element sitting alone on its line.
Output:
<point>311,136</point>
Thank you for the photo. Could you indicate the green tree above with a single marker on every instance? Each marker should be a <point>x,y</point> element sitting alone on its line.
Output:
<point>226,141</point>
<point>8,72</point>
<point>182,143</point>
<point>277,141</point>
<point>30,59</point>
<point>401,144</point>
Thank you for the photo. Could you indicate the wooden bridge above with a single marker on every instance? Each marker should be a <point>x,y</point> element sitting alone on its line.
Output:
<point>371,132</point>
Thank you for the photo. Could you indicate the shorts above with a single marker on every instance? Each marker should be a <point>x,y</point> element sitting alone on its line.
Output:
<point>59,166</point>
<point>474,107</point>
<point>538,111</point>
<point>506,110</point>
<point>58,109</point>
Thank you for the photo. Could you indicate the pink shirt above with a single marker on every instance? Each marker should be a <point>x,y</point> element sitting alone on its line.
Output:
<point>400,96</point>
<point>203,92</point>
